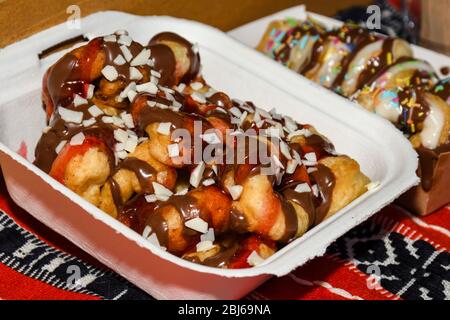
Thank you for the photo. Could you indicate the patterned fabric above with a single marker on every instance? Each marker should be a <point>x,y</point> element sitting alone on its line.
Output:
<point>391,256</point>
<point>24,252</point>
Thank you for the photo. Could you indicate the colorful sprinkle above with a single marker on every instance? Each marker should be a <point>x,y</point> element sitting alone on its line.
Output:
<point>292,22</point>
<point>304,41</point>
<point>389,58</point>
<point>439,88</point>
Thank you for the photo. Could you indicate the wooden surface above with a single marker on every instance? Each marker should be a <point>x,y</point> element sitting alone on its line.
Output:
<point>436,25</point>
<point>21,18</point>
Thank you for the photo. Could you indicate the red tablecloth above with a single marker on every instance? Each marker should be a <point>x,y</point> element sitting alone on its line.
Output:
<point>391,256</point>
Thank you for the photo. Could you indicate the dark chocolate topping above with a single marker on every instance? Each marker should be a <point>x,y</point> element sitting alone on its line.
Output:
<point>164,63</point>
<point>326,181</point>
<point>427,162</point>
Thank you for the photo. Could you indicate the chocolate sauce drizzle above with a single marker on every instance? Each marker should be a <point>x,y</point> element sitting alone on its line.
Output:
<point>414,107</point>
<point>76,71</point>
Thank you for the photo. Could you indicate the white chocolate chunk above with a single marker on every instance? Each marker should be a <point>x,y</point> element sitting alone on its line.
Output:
<point>77,139</point>
<point>197,175</point>
<point>235,191</point>
<point>110,73</point>
<point>254,259</point>
<point>70,115</point>
<point>197,224</point>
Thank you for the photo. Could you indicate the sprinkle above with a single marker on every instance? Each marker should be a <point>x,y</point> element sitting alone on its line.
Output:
<point>439,88</point>
<point>304,41</point>
<point>292,22</point>
<point>197,224</point>
<point>387,94</point>
<point>389,58</point>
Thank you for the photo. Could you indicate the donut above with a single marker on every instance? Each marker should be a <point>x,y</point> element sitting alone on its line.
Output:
<point>138,132</point>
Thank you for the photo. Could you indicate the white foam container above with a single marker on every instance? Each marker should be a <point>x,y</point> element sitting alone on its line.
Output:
<point>383,153</point>
<point>251,33</point>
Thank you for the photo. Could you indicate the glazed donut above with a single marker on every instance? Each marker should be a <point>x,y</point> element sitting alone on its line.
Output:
<point>342,59</point>
<point>379,73</point>
<point>210,179</point>
<point>92,88</point>
<point>292,42</point>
